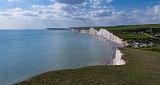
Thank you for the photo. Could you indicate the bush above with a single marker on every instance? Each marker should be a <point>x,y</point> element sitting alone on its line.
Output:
<point>152,49</point>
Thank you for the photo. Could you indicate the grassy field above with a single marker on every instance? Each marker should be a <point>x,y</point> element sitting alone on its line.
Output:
<point>131,33</point>
<point>142,69</point>
<point>131,27</point>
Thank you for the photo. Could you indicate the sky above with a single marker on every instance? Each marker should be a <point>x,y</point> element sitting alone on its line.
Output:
<point>41,14</point>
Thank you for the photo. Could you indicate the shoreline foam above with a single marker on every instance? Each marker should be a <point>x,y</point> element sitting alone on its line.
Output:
<point>113,40</point>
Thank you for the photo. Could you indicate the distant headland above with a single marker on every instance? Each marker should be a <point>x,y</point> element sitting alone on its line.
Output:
<point>56,28</point>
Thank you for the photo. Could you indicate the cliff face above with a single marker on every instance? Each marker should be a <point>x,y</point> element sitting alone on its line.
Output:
<point>117,58</point>
<point>105,34</point>
<point>83,31</point>
<point>92,31</point>
<point>74,30</point>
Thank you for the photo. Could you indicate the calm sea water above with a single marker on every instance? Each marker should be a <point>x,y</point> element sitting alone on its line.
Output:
<point>26,53</point>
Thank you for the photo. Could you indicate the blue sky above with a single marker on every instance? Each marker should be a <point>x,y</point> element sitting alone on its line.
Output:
<point>40,14</point>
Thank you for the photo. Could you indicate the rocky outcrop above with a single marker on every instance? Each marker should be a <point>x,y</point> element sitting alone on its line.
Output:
<point>110,38</point>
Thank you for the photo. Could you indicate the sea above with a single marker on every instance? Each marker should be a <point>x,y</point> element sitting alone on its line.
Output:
<point>27,53</point>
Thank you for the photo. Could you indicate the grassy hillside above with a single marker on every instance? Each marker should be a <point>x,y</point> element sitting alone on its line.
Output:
<point>133,32</point>
<point>123,27</point>
<point>142,69</point>
<point>138,33</point>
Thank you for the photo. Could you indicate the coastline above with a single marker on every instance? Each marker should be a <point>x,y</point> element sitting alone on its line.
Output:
<point>113,40</point>
<point>143,65</point>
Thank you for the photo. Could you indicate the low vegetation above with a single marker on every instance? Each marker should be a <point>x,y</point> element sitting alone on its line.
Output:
<point>136,32</point>
<point>142,69</point>
<point>80,28</point>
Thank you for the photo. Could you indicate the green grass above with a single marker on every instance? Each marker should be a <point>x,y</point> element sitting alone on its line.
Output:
<point>132,33</point>
<point>157,48</point>
<point>123,27</point>
<point>126,32</point>
<point>142,69</point>
<point>80,28</point>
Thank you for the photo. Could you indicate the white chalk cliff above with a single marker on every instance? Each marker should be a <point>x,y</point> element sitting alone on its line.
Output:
<point>117,58</point>
<point>83,31</point>
<point>107,35</point>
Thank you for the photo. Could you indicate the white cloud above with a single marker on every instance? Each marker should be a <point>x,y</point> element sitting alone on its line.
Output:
<point>70,2</point>
<point>95,2</point>
<point>157,9</point>
<point>12,0</point>
<point>43,15</point>
<point>109,1</point>
<point>95,6</point>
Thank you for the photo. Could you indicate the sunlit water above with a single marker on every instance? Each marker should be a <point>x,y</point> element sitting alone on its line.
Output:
<point>26,53</point>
